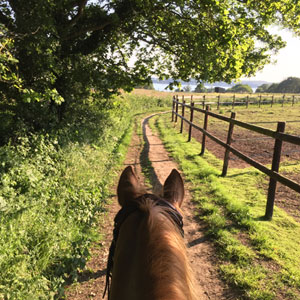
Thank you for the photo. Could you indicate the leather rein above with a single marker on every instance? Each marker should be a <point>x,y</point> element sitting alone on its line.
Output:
<point>122,215</point>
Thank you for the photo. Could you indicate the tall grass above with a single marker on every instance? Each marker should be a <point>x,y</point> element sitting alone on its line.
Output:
<point>53,189</point>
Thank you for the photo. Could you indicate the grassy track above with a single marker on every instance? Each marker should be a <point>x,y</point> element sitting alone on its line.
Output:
<point>260,258</point>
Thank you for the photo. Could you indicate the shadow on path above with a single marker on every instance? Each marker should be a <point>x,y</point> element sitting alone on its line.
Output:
<point>146,165</point>
<point>87,275</point>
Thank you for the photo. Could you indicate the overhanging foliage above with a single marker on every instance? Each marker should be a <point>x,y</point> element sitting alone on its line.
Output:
<point>63,49</point>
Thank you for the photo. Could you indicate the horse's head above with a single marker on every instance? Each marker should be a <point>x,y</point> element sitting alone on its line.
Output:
<point>147,258</point>
<point>129,188</point>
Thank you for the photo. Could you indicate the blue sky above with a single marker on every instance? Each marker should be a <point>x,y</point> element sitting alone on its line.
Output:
<point>288,60</point>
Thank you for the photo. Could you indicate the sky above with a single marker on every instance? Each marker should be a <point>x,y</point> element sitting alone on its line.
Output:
<point>288,60</point>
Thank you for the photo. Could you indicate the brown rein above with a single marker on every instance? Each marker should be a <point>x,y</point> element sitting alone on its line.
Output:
<point>122,215</point>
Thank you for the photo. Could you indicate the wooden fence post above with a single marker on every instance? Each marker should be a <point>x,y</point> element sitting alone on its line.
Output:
<point>272,101</point>
<point>247,101</point>
<point>293,100</point>
<point>176,109</point>
<point>259,101</point>
<point>205,128</point>
<point>233,101</point>
<point>182,114</point>
<point>282,100</point>
<point>227,152</point>
<point>173,107</point>
<point>218,101</point>
<point>275,168</point>
<point>203,102</point>
<point>191,121</point>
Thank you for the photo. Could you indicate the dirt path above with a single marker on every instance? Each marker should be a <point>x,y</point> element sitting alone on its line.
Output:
<point>92,280</point>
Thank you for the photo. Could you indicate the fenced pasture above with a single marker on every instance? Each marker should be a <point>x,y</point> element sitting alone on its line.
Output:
<point>245,100</point>
<point>251,143</point>
<point>152,93</point>
<point>223,100</point>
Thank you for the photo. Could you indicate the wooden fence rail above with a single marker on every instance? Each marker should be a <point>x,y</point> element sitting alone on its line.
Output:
<point>278,135</point>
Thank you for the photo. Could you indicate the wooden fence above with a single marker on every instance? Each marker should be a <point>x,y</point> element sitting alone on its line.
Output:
<point>245,100</point>
<point>278,135</point>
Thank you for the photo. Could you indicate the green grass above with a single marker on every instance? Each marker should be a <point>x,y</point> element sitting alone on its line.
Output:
<point>51,198</point>
<point>264,114</point>
<point>261,258</point>
<point>53,191</point>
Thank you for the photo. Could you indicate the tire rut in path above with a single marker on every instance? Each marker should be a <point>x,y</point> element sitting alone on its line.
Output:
<point>200,251</point>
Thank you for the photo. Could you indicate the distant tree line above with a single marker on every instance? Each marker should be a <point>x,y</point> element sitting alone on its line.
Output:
<point>147,86</point>
<point>200,88</point>
<point>289,85</point>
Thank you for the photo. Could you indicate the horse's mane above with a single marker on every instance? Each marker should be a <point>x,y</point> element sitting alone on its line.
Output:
<point>167,255</point>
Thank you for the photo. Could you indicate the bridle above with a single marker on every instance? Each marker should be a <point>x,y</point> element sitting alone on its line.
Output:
<point>122,215</point>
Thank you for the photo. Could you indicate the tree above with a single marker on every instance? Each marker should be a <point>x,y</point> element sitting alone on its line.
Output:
<point>187,88</point>
<point>64,48</point>
<point>263,88</point>
<point>272,88</point>
<point>146,86</point>
<point>200,88</point>
<point>240,88</point>
<point>289,85</point>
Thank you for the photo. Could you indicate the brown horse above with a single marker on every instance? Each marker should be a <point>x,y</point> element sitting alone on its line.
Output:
<point>147,258</point>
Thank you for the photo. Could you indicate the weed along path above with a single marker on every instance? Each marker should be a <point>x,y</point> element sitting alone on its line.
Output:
<point>147,155</point>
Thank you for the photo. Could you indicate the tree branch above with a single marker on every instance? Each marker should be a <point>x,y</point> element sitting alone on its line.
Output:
<point>8,22</point>
<point>86,30</point>
<point>158,43</point>
<point>13,4</point>
<point>81,7</point>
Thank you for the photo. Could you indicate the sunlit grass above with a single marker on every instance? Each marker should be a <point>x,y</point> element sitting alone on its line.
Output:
<point>54,188</point>
<point>260,257</point>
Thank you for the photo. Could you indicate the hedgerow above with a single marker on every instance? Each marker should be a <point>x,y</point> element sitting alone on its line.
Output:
<point>53,187</point>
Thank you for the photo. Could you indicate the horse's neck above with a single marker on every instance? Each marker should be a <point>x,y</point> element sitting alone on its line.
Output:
<point>150,261</point>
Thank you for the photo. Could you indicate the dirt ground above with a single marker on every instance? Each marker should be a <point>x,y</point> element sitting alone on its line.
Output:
<point>204,262</point>
<point>261,149</point>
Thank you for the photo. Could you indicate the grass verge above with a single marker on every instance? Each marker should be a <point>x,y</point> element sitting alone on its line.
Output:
<point>260,258</point>
<point>53,190</point>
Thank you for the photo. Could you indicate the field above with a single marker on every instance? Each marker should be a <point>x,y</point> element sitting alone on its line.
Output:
<point>54,188</point>
<point>260,258</point>
<point>260,147</point>
<point>257,146</point>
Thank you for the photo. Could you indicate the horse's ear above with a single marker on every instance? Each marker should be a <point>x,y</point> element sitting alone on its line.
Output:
<point>174,189</point>
<point>128,186</point>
